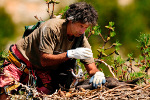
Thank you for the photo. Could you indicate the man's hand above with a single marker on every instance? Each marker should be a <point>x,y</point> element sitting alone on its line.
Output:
<point>97,79</point>
<point>80,53</point>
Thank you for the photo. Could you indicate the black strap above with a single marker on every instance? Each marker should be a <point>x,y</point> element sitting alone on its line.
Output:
<point>78,41</point>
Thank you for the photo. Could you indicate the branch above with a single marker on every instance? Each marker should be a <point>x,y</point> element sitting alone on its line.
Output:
<point>51,2</point>
<point>107,66</point>
<point>102,37</point>
<point>109,47</point>
<point>37,18</point>
<point>111,53</point>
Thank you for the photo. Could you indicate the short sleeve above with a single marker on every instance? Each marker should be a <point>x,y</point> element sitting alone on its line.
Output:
<point>48,40</point>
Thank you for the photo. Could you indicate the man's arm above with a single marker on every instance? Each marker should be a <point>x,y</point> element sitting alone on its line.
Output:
<point>91,68</point>
<point>50,59</point>
<point>78,53</point>
<point>97,77</point>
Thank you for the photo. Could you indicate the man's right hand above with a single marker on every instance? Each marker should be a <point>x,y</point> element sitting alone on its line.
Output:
<point>80,53</point>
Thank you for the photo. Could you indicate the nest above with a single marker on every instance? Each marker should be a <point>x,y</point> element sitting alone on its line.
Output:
<point>123,92</point>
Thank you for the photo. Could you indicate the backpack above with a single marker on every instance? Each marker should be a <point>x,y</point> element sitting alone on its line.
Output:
<point>29,29</point>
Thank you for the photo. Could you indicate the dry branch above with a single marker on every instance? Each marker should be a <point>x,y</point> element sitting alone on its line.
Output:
<point>98,60</point>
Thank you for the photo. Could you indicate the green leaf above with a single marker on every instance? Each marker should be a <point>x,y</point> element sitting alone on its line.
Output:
<point>112,34</point>
<point>130,55</point>
<point>136,60</point>
<point>142,68</point>
<point>96,30</point>
<point>97,33</point>
<point>117,44</point>
<point>107,26</point>
<point>62,12</point>
<point>148,53</point>
<point>141,57</point>
<point>147,50</point>
<point>111,24</point>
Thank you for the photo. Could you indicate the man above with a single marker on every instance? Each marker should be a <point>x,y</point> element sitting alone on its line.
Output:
<point>51,50</point>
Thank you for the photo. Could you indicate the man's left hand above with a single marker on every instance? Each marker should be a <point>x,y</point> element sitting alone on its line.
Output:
<point>97,79</point>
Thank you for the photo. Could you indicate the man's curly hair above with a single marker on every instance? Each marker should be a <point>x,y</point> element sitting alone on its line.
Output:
<point>82,12</point>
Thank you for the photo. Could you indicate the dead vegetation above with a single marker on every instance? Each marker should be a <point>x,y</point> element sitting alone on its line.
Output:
<point>122,92</point>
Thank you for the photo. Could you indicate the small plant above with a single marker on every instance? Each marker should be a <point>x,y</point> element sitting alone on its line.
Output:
<point>105,52</point>
<point>3,56</point>
<point>144,46</point>
<point>120,68</point>
<point>143,62</point>
<point>127,71</point>
<point>48,2</point>
<point>102,49</point>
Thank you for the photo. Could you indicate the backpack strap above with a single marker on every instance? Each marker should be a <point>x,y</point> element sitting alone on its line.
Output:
<point>78,41</point>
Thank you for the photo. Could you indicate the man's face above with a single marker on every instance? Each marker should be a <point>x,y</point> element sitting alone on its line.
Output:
<point>77,28</point>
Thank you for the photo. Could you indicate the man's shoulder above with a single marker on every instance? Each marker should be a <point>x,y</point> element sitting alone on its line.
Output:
<point>55,24</point>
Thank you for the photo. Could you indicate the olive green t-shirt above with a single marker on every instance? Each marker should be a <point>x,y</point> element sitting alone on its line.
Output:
<point>49,38</point>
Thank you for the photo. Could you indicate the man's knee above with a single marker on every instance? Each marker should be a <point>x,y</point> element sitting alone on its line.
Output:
<point>9,74</point>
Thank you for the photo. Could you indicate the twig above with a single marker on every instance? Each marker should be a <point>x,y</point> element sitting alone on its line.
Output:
<point>134,92</point>
<point>37,18</point>
<point>109,47</point>
<point>97,93</point>
<point>53,2</point>
<point>111,53</point>
<point>48,8</point>
<point>102,37</point>
<point>146,87</point>
<point>52,14</point>
<point>79,93</point>
<point>116,88</point>
<point>107,66</point>
<point>90,33</point>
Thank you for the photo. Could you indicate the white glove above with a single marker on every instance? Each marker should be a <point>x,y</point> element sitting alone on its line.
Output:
<point>97,79</point>
<point>80,53</point>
